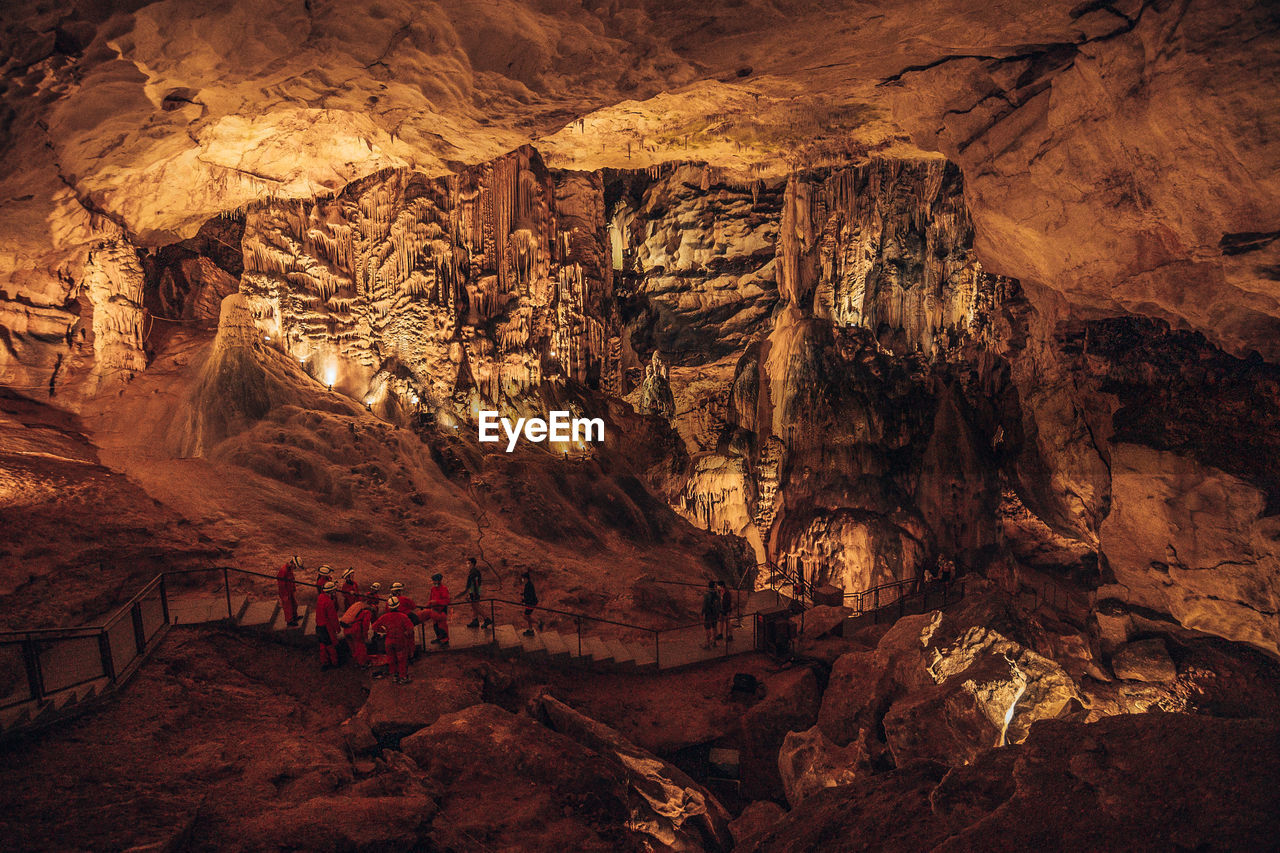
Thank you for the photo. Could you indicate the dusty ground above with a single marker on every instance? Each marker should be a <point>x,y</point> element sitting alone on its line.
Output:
<point>221,733</point>
<point>214,725</point>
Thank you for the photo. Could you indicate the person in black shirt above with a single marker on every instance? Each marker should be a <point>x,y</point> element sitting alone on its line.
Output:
<point>710,613</point>
<point>474,580</point>
<point>530,599</point>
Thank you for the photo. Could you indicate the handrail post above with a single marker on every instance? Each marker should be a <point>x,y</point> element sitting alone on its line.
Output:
<point>493,624</point>
<point>35,681</point>
<point>139,635</point>
<point>226,586</point>
<point>164,597</point>
<point>104,651</point>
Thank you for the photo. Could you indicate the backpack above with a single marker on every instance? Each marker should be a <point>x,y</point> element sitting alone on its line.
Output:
<point>353,613</point>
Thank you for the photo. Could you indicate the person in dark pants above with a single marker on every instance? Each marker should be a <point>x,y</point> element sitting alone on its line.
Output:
<point>726,612</point>
<point>710,613</point>
<point>528,597</point>
<point>474,579</point>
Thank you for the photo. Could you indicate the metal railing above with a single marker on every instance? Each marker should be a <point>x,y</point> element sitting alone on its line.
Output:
<point>905,593</point>
<point>39,664</point>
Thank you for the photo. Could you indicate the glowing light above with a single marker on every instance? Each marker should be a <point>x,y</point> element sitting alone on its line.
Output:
<point>1021,679</point>
<point>331,376</point>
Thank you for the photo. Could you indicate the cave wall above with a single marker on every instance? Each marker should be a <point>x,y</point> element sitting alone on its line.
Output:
<point>445,293</point>
<point>840,431</point>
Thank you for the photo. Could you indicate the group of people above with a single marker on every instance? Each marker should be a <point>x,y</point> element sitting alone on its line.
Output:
<point>376,636</point>
<point>717,611</point>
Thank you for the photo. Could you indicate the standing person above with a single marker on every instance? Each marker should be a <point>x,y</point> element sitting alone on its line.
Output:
<point>355,624</point>
<point>438,610</point>
<point>350,589</point>
<point>710,613</point>
<point>399,633</point>
<point>946,569</point>
<point>324,574</point>
<point>726,612</point>
<point>529,597</point>
<point>374,596</point>
<point>474,579</point>
<point>327,627</point>
<point>287,587</point>
<point>407,605</point>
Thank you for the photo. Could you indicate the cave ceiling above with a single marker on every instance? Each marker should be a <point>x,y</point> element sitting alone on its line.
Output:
<point>1120,154</point>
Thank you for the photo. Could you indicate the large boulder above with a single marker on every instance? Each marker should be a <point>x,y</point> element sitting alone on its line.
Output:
<point>808,762</point>
<point>1129,782</point>
<point>667,805</point>
<point>1195,542</point>
<point>336,823</point>
<point>864,684</point>
<point>1144,660</point>
<point>505,781</point>
<point>395,710</point>
<point>791,705</point>
<point>755,819</point>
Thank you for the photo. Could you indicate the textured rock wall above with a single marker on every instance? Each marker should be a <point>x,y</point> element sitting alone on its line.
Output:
<point>449,292</point>
<point>831,313</point>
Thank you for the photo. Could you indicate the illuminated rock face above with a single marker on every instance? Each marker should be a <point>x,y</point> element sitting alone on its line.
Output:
<point>443,293</point>
<point>836,441</point>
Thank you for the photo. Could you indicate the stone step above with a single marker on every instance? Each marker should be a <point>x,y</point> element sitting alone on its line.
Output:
<point>278,622</point>
<point>239,604</point>
<point>620,652</point>
<point>258,614</point>
<point>194,610</point>
<point>643,656</point>
<point>508,638</point>
<point>593,647</point>
<point>16,716</point>
<point>533,646</point>
<point>557,647</point>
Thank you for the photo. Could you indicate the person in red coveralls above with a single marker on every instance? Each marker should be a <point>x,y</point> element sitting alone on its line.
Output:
<point>350,589</point>
<point>407,605</point>
<point>324,574</point>
<point>438,610</point>
<point>287,587</point>
<point>399,632</point>
<point>356,621</point>
<point>327,628</point>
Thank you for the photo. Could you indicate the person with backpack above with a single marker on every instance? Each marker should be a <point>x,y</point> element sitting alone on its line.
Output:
<point>355,623</point>
<point>710,613</point>
<point>528,597</point>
